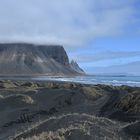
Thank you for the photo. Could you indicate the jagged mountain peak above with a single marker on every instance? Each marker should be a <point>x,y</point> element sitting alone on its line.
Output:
<point>76,67</point>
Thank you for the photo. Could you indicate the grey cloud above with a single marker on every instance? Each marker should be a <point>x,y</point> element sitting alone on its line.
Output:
<point>70,23</point>
<point>94,57</point>
<point>130,68</point>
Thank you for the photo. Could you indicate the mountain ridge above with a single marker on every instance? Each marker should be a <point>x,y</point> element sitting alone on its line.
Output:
<point>25,58</point>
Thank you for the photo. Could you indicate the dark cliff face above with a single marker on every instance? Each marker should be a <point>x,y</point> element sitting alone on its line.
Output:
<point>22,58</point>
<point>29,51</point>
<point>56,52</point>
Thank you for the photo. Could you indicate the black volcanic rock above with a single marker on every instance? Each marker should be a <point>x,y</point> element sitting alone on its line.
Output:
<point>23,58</point>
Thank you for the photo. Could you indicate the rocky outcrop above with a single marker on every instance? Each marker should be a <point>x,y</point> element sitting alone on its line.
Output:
<point>27,59</point>
<point>76,67</point>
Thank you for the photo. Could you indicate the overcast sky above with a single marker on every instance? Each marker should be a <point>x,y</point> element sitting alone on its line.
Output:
<point>96,33</point>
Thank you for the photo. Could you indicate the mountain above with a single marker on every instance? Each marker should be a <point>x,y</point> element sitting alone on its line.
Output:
<point>28,59</point>
<point>76,67</point>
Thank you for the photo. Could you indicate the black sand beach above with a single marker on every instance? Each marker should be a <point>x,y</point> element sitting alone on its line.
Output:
<point>68,111</point>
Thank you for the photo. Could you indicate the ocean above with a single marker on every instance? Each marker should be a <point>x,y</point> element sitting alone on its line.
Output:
<point>116,80</point>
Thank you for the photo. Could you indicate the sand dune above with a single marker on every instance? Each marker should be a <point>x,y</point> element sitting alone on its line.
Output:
<point>68,111</point>
<point>131,130</point>
<point>73,126</point>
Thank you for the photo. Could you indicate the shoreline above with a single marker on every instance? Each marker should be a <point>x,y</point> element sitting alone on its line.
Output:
<point>68,82</point>
<point>95,80</point>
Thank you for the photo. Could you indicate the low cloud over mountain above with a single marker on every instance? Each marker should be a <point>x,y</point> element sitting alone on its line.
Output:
<point>25,59</point>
